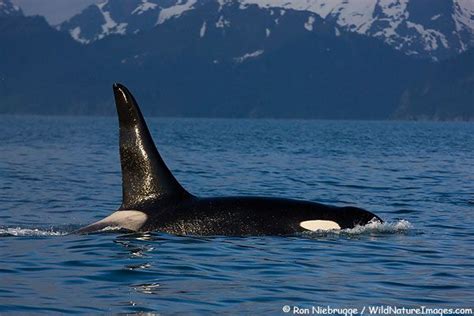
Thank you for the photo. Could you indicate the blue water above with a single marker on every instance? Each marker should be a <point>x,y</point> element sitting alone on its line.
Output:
<point>57,174</point>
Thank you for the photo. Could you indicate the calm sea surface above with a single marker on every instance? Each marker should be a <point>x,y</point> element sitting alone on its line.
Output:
<point>57,174</point>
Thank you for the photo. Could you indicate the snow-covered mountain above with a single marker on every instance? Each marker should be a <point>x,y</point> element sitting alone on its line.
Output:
<point>434,29</point>
<point>226,59</point>
<point>122,17</point>
<point>8,9</point>
<point>214,60</point>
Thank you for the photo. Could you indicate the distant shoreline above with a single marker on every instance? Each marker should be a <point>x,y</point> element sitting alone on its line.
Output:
<point>424,119</point>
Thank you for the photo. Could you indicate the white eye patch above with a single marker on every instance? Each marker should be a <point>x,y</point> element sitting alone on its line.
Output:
<point>316,225</point>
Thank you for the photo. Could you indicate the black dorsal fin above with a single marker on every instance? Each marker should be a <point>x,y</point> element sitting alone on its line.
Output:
<point>145,176</point>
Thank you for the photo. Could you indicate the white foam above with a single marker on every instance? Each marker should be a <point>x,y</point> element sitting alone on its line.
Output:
<point>24,232</point>
<point>375,226</point>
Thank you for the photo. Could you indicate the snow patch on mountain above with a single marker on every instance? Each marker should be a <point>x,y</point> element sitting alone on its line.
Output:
<point>309,24</point>
<point>222,23</point>
<point>354,14</point>
<point>464,19</point>
<point>430,37</point>
<point>110,26</point>
<point>76,34</point>
<point>175,11</point>
<point>143,7</point>
<point>222,3</point>
<point>464,13</point>
<point>254,54</point>
<point>393,14</point>
<point>202,31</point>
<point>7,8</point>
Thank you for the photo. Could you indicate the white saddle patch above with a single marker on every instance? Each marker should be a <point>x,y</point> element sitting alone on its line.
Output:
<point>319,225</point>
<point>129,219</point>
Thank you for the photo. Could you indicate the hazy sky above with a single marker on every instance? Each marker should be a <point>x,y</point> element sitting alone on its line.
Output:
<point>55,11</point>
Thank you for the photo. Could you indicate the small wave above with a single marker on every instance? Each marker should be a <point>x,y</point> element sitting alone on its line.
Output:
<point>375,226</point>
<point>26,232</point>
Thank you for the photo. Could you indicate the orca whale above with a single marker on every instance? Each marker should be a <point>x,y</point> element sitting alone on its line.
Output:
<point>153,200</point>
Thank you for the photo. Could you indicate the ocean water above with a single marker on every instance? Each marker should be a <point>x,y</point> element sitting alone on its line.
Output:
<point>58,173</point>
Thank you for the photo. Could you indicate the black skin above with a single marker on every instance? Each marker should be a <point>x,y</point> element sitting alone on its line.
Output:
<point>246,216</point>
<point>150,187</point>
<point>240,216</point>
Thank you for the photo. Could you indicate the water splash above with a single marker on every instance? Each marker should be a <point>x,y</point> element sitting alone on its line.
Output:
<point>30,232</point>
<point>375,226</point>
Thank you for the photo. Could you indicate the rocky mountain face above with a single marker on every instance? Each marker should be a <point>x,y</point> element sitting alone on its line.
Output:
<point>446,92</point>
<point>435,29</point>
<point>8,9</point>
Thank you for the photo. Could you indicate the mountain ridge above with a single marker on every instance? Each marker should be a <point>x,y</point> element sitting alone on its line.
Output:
<point>436,31</point>
<point>7,8</point>
<point>204,64</point>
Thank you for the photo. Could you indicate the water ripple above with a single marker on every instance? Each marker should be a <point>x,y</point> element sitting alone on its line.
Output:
<point>417,176</point>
